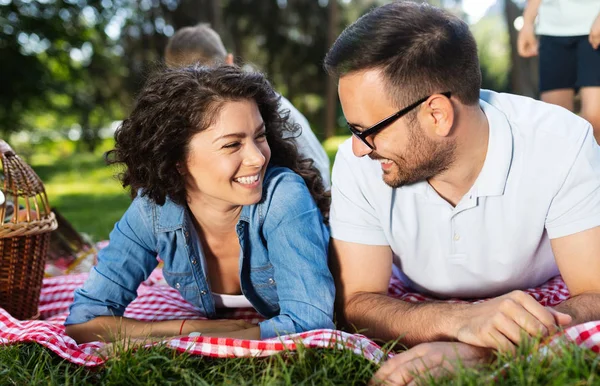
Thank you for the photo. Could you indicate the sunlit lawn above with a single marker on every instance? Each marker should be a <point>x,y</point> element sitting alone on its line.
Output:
<point>82,188</point>
<point>86,193</point>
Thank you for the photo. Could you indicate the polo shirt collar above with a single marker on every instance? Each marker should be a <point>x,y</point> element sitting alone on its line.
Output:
<point>494,173</point>
<point>492,178</point>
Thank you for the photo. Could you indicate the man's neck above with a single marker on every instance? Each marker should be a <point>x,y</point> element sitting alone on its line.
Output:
<point>472,132</point>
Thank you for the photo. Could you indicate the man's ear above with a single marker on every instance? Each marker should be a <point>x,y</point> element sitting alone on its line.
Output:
<point>229,59</point>
<point>439,115</point>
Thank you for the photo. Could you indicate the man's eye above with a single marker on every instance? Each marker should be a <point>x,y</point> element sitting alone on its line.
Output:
<point>231,145</point>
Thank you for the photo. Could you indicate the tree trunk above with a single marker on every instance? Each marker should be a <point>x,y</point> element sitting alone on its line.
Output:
<point>524,71</point>
<point>216,16</point>
<point>89,136</point>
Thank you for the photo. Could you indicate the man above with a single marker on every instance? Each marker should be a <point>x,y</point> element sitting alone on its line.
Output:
<point>202,44</point>
<point>569,50</point>
<point>463,194</point>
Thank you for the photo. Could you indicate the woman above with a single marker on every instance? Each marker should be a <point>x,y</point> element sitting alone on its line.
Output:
<point>224,201</point>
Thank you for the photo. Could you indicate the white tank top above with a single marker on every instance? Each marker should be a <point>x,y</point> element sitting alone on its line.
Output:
<point>566,17</point>
<point>231,301</point>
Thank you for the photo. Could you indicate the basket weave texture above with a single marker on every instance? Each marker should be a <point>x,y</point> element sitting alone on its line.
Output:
<point>26,221</point>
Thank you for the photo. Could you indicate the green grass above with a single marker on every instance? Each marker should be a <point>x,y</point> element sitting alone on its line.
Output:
<point>86,193</point>
<point>331,146</point>
<point>30,364</point>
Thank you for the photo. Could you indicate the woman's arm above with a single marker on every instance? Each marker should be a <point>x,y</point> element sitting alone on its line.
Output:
<point>115,329</point>
<point>298,243</point>
<point>527,44</point>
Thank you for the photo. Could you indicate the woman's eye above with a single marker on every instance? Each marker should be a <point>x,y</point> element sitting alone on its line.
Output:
<point>231,145</point>
<point>262,135</point>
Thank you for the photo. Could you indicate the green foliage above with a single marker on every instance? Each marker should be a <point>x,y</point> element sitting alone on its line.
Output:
<point>57,59</point>
<point>81,186</point>
<point>494,52</point>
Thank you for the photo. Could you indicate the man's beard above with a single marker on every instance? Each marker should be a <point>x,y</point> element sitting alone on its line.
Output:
<point>424,159</point>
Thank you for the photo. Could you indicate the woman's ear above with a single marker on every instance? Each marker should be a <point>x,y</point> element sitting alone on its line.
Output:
<point>180,169</point>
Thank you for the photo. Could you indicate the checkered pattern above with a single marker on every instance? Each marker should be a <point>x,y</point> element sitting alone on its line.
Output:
<point>552,293</point>
<point>159,302</point>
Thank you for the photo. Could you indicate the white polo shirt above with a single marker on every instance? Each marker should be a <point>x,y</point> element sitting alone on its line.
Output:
<point>540,180</point>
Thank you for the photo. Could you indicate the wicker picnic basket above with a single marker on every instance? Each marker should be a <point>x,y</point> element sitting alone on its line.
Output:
<point>25,225</point>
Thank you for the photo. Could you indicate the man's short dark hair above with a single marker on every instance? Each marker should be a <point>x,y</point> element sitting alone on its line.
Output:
<point>420,49</point>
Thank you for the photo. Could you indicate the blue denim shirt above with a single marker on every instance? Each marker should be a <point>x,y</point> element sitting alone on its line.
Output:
<point>283,259</point>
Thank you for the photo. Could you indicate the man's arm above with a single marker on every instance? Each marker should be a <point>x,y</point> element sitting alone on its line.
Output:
<point>362,274</point>
<point>578,259</point>
<point>527,44</point>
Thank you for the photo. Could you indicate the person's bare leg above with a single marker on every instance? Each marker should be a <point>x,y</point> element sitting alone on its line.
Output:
<point>562,97</point>
<point>590,108</point>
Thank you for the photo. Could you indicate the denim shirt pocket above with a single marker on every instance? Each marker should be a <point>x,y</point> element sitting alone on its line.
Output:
<point>263,281</point>
<point>185,283</point>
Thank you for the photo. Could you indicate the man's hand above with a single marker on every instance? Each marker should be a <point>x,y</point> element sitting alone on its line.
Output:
<point>527,43</point>
<point>501,323</point>
<point>433,359</point>
<point>594,37</point>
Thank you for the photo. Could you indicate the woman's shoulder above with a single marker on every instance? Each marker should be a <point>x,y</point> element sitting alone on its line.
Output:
<point>279,179</point>
<point>284,194</point>
<point>155,216</point>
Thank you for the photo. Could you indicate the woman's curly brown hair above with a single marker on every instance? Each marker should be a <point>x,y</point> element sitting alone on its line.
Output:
<point>174,105</point>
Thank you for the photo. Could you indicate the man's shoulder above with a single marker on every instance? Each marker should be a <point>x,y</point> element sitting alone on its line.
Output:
<point>529,117</point>
<point>534,114</point>
<point>359,177</point>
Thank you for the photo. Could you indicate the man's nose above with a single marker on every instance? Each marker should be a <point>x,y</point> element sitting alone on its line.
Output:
<point>359,148</point>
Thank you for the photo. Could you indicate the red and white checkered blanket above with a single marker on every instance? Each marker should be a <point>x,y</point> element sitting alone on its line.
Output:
<point>160,302</point>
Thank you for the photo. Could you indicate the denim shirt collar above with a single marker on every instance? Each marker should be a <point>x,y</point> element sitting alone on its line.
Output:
<point>172,216</point>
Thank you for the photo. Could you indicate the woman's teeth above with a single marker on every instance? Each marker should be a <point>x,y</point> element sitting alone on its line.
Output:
<point>247,180</point>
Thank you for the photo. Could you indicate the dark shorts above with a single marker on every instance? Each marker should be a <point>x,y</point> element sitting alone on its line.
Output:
<point>568,62</point>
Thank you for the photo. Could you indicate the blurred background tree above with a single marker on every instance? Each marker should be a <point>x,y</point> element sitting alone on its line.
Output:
<point>71,68</point>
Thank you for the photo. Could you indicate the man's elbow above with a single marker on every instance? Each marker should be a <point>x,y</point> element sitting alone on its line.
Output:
<point>347,306</point>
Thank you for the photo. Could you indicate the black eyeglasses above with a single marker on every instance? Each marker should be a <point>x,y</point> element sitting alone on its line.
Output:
<point>376,128</point>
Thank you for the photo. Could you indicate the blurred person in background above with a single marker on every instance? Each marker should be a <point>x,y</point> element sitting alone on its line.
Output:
<point>202,44</point>
<point>569,52</point>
